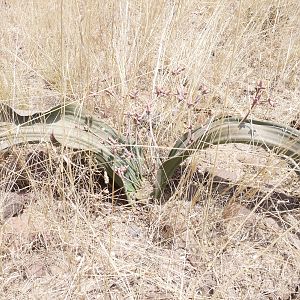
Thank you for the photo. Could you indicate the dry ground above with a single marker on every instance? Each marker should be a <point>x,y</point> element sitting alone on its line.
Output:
<point>153,70</point>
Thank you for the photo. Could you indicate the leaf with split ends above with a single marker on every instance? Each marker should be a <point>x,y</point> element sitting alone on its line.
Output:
<point>72,128</point>
<point>282,140</point>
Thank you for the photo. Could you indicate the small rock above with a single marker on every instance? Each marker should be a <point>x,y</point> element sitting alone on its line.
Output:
<point>235,211</point>
<point>134,231</point>
<point>36,269</point>
<point>13,204</point>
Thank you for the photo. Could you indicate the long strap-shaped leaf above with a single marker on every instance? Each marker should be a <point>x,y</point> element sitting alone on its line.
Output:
<point>283,140</point>
<point>71,127</point>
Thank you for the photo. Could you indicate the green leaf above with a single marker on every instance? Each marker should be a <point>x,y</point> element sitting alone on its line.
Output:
<point>71,127</point>
<point>283,140</point>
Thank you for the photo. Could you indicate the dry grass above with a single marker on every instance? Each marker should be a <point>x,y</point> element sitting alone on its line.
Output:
<point>153,70</point>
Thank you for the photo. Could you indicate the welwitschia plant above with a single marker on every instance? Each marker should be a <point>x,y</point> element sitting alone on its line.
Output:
<point>70,127</point>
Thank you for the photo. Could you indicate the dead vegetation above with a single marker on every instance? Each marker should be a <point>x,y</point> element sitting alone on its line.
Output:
<point>153,70</point>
